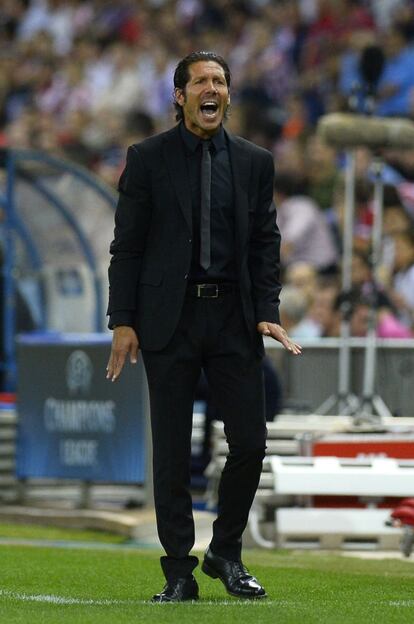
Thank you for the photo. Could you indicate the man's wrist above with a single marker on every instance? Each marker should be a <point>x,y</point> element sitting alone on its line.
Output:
<point>121,318</point>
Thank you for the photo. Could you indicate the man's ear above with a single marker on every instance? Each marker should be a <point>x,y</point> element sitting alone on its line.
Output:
<point>179,96</point>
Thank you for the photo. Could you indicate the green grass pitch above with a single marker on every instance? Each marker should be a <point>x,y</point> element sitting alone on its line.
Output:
<point>43,585</point>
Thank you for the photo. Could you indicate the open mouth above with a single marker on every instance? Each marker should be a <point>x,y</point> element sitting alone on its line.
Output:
<point>209,109</point>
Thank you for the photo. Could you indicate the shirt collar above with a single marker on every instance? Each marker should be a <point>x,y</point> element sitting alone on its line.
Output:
<point>192,141</point>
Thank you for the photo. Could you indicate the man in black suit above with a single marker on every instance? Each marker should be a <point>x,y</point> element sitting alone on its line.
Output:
<point>194,283</point>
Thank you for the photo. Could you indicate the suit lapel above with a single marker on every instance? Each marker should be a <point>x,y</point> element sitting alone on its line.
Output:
<point>240,159</point>
<point>174,157</point>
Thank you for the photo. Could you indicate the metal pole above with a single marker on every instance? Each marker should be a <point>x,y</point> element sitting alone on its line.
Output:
<point>373,406</point>
<point>370,354</point>
<point>348,234</point>
<point>344,401</point>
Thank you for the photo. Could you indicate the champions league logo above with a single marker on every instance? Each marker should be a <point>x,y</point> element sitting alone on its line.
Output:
<point>79,373</point>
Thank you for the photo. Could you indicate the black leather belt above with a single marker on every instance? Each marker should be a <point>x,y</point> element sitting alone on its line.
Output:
<point>210,291</point>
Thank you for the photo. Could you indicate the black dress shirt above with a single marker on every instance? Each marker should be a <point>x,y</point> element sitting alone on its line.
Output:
<point>223,265</point>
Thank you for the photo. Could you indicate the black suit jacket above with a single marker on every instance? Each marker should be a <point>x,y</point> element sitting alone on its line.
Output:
<point>151,250</point>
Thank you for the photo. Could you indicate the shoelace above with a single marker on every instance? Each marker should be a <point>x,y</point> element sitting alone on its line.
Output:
<point>241,571</point>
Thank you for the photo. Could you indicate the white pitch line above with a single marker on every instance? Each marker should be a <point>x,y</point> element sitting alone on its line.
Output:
<point>61,600</point>
<point>65,600</point>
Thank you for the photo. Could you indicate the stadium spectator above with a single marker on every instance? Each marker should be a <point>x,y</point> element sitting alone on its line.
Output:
<point>304,277</point>
<point>293,310</point>
<point>306,235</point>
<point>321,171</point>
<point>396,85</point>
<point>368,308</point>
<point>375,73</point>
<point>402,293</point>
<point>368,293</point>
<point>396,219</point>
<point>322,314</point>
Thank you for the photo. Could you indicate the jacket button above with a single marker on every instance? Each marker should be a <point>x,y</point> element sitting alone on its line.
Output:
<point>186,276</point>
<point>190,240</point>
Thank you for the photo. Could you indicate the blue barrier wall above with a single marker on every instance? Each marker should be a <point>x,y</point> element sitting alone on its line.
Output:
<point>73,422</point>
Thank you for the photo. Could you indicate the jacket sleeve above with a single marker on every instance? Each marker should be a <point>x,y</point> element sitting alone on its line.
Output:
<point>264,249</point>
<point>132,220</point>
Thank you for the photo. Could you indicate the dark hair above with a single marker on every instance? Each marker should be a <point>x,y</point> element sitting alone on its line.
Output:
<point>182,74</point>
<point>366,295</point>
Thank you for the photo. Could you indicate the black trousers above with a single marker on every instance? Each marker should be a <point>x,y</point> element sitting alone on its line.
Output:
<point>211,335</point>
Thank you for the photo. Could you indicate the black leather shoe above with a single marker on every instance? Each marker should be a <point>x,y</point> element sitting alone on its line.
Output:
<point>178,590</point>
<point>234,576</point>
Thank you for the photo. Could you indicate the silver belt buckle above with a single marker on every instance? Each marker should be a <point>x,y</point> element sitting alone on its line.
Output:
<point>200,287</point>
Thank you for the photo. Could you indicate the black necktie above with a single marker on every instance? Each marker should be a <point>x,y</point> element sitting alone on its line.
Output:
<point>205,259</point>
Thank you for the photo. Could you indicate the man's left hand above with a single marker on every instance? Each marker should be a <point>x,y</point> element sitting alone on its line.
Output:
<point>273,330</point>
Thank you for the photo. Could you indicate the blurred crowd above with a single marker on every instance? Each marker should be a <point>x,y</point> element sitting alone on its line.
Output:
<point>83,79</point>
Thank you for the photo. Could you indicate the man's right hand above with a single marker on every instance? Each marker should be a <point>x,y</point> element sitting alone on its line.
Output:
<point>124,341</point>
